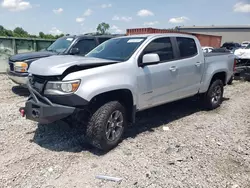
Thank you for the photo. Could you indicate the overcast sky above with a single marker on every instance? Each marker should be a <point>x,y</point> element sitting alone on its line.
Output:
<point>81,16</point>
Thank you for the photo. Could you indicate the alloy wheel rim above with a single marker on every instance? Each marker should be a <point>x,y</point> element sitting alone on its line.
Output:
<point>216,94</point>
<point>114,126</point>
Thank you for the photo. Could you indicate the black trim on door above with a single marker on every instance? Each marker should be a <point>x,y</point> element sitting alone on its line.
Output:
<point>176,48</point>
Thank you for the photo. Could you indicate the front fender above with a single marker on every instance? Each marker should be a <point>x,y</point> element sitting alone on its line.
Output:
<point>92,88</point>
<point>93,85</point>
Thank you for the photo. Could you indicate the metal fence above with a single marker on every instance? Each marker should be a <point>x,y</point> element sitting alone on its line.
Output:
<point>12,45</point>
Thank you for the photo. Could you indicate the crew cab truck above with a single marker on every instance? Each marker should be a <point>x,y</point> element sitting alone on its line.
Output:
<point>17,70</point>
<point>105,89</point>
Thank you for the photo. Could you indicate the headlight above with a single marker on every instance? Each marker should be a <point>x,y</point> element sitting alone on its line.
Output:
<point>20,67</point>
<point>61,88</point>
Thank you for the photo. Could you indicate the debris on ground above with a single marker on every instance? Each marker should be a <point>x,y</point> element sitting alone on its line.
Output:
<point>109,178</point>
<point>214,155</point>
<point>166,128</point>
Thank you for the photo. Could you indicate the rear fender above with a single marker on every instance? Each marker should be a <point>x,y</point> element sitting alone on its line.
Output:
<point>209,76</point>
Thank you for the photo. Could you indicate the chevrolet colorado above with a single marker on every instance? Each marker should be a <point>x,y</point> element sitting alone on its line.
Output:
<point>17,70</point>
<point>122,76</point>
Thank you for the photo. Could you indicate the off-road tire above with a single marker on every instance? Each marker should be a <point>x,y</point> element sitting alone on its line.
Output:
<point>207,99</point>
<point>230,82</point>
<point>96,128</point>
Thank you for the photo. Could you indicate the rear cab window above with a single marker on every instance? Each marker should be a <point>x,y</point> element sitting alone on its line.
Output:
<point>187,47</point>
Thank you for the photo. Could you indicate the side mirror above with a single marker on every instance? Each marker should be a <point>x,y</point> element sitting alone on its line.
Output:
<point>148,59</point>
<point>74,51</point>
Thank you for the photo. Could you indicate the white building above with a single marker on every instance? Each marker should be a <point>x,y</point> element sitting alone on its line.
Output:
<point>229,33</point>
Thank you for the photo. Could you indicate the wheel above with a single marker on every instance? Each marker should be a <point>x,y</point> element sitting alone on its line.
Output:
<point>214,96</point>
<point>230,81</point>
<point>106,126</point>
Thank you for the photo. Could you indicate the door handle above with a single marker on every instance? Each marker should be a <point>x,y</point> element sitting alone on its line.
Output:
<point>173,69</point>
<point>198,64</point>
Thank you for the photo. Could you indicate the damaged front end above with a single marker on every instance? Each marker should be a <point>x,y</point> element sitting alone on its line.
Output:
<point>242,69</point>
<point>40,108</point>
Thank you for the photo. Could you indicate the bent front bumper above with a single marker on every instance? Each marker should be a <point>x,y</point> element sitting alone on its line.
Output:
<point>20,79</point>
<point>38,108</point>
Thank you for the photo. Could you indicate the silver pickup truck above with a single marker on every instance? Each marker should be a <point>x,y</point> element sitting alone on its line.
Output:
<point>120,77</point>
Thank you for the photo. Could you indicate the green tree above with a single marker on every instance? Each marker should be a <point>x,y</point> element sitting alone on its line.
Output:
<point>2,31</point>
<point>41,35</point>
<point>19,32</point>
<point>33,36</point>
<point>59,36</point>
<point>8,33</point>
<point>177,28</point>
<point>102,28</point>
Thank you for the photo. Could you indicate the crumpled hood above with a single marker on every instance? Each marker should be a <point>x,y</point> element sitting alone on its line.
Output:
<point>30,55</point>
<point>56,65</point>
<point>242,53</point>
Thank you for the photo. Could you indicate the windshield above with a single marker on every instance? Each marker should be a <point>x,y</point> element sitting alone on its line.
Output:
<point>60,45</point>
<point>117,49</point>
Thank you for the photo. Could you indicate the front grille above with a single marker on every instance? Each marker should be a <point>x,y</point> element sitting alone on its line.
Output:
<point>39,79</point>
<point>243,62</point>
<point>38,82</point>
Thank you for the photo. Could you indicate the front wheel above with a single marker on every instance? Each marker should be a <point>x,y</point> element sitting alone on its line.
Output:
<point>106,126</point>
<point>214,96</point>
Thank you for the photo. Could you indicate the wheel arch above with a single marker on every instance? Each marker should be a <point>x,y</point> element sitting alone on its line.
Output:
<point>221,76</point>
<point>124,96</point>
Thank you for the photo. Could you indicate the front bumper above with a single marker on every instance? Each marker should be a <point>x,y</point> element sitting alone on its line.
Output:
<point>38,108</point>
<point>20,79</point>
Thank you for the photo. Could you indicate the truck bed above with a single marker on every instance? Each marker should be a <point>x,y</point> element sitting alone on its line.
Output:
<point>221,60</point>
<point>218,57</point>
<point>216,54</point>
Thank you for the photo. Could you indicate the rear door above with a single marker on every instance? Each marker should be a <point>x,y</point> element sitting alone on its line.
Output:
<point>190,65</point>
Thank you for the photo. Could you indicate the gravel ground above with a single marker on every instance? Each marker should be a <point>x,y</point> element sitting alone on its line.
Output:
<point>175,145</point>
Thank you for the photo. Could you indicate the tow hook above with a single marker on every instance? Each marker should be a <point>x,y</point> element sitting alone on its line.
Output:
<point>22,111</point>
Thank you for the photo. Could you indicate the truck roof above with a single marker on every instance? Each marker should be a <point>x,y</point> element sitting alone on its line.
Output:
<point>158,34</point>
<point>90,36</point>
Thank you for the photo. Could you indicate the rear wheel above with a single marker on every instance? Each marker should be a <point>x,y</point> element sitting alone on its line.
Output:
<point>214,96</point>
<point>230,82</point>
<point>106,126</point>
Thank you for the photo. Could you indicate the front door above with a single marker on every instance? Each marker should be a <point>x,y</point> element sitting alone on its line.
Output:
<point>158,83</point>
